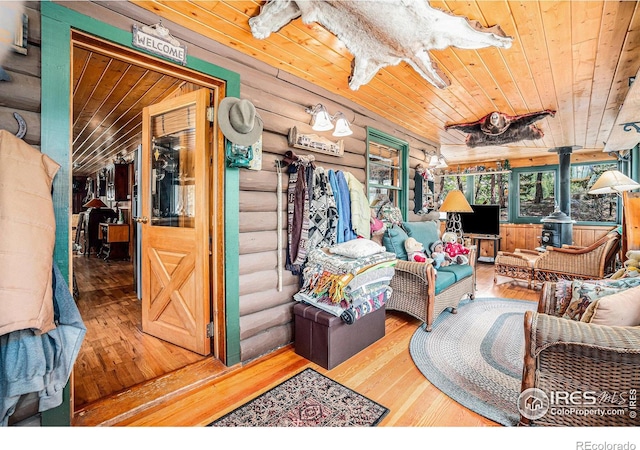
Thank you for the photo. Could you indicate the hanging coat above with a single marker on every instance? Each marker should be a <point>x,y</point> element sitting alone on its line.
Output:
<point>42,363</point>
<point>28,236</point>
<point>360,210</point>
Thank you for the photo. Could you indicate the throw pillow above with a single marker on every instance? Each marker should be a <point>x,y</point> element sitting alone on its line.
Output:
<point>424,232</point>
<point>563,296</point>
<point>585,292</point>
<point>357,248</point>
<point>620,309</point>
<point>390,215</point>
<point>393,241</point>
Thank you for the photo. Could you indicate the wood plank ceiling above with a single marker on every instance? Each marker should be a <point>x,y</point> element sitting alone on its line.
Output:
<point>574,57</point>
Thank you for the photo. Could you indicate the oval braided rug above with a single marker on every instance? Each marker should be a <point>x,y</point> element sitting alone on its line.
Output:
<point>475,356</point>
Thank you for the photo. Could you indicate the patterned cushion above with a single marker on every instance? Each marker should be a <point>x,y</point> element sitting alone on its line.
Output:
<point>563,296</point>
<point>390,214</point>
<point>393,241</point>
<point>586,292</point>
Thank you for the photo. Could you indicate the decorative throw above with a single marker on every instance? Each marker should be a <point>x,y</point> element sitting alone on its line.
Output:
<point>323,213</point>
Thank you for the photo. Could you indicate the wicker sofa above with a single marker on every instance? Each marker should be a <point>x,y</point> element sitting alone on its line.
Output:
<point>594,362</point>
<point>418,289</point>
<point>571,262</point>
<point>568,262</point>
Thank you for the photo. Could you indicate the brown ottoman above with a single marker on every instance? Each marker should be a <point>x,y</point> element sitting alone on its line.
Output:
<point>327,340</point>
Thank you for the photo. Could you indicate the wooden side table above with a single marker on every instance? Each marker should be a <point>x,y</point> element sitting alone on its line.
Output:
<point>115,240</point>
<point>477,241</point>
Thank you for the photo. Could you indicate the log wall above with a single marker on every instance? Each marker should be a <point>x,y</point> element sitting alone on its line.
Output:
<point>21,93</point>
<point>265,304</point>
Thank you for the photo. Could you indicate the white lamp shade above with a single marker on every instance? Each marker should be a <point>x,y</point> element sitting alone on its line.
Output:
<point>342,127</point>
<point>613,182</point>
<point>442,164</point>
<point>321,120</point>
<point>434,161</point>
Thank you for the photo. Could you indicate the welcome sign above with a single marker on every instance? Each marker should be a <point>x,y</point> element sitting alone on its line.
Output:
<point>156,39</point>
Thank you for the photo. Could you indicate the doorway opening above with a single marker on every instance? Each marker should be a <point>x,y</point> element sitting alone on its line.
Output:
<point>111,86</point>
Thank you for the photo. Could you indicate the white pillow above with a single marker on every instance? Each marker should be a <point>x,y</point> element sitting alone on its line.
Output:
<point>619,309</point>
<point>357,248</point>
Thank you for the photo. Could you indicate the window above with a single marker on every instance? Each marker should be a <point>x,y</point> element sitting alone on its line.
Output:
<point>387,177</point>
<point>448,183</point>
<point>591,208</point>
<point>536,194</point>
<point>492,189</point>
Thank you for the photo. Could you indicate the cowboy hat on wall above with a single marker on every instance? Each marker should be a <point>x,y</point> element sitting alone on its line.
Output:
<point>242,126</point>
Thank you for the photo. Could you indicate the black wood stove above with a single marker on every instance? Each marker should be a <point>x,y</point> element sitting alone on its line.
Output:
<point>557,227</point>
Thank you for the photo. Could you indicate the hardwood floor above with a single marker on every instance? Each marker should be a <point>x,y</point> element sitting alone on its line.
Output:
<point>205,390</point>
<point>116,354</point>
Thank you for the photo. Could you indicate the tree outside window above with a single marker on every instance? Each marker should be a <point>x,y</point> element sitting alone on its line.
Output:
<point>492,189</point>
<point>591,208</point>
<point>536,193</point>
<point>384,173</point>
<point>451,183</point>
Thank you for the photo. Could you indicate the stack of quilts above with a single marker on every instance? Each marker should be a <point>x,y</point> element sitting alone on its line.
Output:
<point>348,280</point>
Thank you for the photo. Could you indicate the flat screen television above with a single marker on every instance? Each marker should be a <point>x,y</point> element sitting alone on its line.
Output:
<point>485,219</point>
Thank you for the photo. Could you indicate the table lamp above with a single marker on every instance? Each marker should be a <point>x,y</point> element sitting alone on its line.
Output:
<point>95,203</point>
<point>454,204</point>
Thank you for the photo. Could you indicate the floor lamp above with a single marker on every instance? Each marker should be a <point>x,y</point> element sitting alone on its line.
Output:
<point>615,182</point>
<point>454,204</point>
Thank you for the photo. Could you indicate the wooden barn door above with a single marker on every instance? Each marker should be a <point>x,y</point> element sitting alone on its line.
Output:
<point>176,299</point>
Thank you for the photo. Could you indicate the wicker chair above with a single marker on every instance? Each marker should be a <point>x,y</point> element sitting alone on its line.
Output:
<point>571,262</point>
<point>414,291</point>
<point>563,355</point>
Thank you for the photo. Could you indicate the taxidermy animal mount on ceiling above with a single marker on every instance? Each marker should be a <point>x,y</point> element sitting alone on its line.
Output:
<point>381,33</point>
<point>497,128</point>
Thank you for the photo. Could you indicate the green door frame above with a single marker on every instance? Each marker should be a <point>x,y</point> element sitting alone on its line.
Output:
<point>57,23</point>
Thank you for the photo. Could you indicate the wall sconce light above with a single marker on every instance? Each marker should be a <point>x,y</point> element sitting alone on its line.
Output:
<point>433,161</point>
<point>437,162</point>
<point>322,121</point>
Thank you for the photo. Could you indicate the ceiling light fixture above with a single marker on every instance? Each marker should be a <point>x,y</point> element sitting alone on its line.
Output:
<point>321,120</point>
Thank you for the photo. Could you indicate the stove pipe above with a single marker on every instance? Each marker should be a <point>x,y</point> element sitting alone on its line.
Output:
<point>557,228</point>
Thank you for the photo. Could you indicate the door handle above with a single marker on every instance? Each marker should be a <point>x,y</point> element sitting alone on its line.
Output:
<point>141,219</point>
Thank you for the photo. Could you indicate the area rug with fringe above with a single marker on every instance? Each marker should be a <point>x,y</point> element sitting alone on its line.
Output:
<point>476,355</point>
<point>308,399</point>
